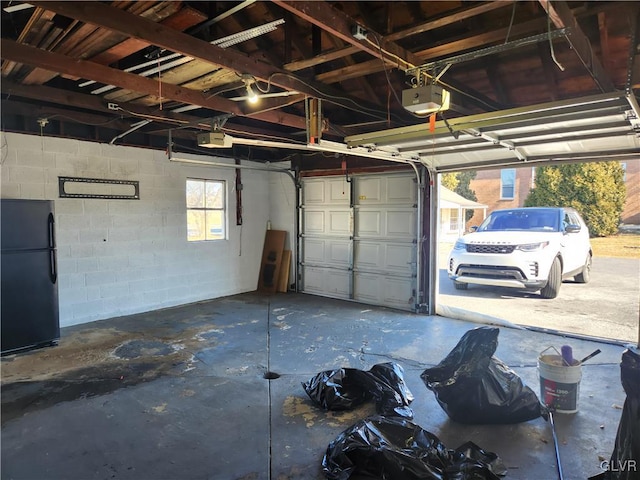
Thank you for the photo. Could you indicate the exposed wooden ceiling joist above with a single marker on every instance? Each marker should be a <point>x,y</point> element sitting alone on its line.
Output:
<point>340,25</point>
<point>562,17</point>
<point>117,20</point>
<point>56,62</point>
<point>420,28</point>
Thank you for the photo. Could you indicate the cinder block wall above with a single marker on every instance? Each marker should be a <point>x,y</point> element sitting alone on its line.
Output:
<point>118,257</point>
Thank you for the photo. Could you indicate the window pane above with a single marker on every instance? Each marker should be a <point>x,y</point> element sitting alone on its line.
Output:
<point>215,225</point>
<point>195,193</point>
<point>195,225</point>
<point>508,181</point>
<point>215,195</point>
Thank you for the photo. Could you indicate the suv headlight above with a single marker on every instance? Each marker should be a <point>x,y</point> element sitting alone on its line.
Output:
<point>460,245</point>
<point>532,247</point>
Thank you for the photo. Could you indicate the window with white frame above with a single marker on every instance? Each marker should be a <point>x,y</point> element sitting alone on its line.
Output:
<point>507,183</point>
<point>206,210</point>
<point>454,220</point>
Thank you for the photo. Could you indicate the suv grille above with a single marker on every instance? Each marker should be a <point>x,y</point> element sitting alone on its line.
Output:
<point>473,248</point>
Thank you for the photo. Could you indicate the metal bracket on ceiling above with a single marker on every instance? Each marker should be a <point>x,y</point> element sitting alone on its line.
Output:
<point>494,139</point>
<point>633,115</point>
<point>443,64</point>
<point>218,122</point>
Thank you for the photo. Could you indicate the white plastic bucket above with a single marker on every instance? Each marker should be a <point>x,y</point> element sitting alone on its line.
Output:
<point>559,383</point>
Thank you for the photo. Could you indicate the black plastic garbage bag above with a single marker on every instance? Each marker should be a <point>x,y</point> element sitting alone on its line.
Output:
<point>339,389</point>
<point>473,386</point>
<point>625,460</point>
<point>346,388</point>
<point>391,394</point>
<point>394,448</point>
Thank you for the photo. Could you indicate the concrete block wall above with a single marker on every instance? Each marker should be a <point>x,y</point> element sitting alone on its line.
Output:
<point>117,257</point>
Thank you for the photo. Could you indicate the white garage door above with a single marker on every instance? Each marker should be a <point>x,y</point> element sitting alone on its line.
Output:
<point>359,238</point>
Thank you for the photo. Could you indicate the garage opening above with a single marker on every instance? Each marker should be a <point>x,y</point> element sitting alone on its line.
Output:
<point>585,305</point>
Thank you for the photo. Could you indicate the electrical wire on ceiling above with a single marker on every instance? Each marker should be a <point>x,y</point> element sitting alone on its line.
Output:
<point>386,74</point>
<point>84,122</point>
<point>388,53</point>
<point>334,98</point>
<point>513,16</point>
<point>553,53</point>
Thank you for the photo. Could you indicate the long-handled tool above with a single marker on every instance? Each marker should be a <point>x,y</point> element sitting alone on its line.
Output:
<point>591,355</point>
<point>555,444</point>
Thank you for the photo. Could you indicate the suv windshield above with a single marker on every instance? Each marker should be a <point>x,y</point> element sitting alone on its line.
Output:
<point>543,220</point>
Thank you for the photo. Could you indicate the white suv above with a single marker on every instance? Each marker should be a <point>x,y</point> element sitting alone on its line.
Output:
<point>528,248</point>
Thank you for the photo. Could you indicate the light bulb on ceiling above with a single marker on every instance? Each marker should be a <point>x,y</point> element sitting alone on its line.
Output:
<point>252,96</point>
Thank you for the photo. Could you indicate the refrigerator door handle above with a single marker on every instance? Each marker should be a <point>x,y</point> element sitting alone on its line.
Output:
<point>53,271</point>
<point>52,234</point>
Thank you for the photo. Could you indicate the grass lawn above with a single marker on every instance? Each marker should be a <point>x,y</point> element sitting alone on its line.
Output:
<point>626,245</point>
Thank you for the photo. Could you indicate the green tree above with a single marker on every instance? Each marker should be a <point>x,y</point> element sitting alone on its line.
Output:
<point>596,190</point>
<point>450,180</point>
<point>460,182</point>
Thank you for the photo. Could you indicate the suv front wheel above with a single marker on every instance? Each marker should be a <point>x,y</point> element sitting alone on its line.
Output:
<point>552,288</point>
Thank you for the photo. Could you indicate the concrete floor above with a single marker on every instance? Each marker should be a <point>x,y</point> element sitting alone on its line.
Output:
<point>180,393</point>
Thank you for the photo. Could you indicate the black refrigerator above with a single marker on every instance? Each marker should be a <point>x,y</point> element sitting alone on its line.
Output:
<point>29,296</point>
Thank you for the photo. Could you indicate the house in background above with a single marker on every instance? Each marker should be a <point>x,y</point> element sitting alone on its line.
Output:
<point>509,187</point>
<point>453,208</point>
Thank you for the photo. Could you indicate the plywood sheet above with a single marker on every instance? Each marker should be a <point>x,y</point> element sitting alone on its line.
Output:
<point>271,260</point>
<point>283,279</point>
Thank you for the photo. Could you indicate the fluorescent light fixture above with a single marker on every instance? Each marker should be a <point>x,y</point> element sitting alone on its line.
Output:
<point>17,7</point>
<point>223,42</point>
<point>426,99</point>
<point>247,34</point>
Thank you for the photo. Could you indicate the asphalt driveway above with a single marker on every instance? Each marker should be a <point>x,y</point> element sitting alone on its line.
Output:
<point>606,307</point>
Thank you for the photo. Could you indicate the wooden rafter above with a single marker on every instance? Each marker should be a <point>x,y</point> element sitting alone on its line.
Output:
<point>117,20</point>
<point>562,17</point>
<point>340,25</point>
<point>56,62</point>
<point>129,110</point>
<point>420,28</point>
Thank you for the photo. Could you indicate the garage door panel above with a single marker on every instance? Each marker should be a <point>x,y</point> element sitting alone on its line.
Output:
<point>327,222</point>
<point>321,191</point>
<point>401,223</point>
<point>400,257</point>
<point>369,190</point>
<point>367,255</point>
<point>393,189</point>
<point>327,252</point>
<point>381,289</point>
<point>313,192</point>
<point>339,223</point>
<point>369,223</point>
<point>339,191</point>
<point>324,281</point>
<point>395,258</point>
<point>401,190</point>
<point>314,222</point>
<point>398,223</point>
